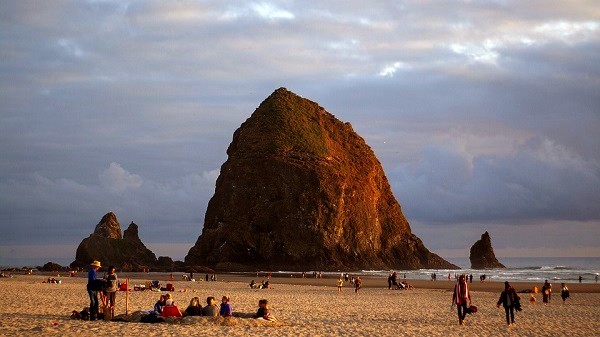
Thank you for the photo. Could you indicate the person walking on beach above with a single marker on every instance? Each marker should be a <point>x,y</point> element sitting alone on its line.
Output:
<point>93,286</point>
<point>510,301</point>
<point>564,292</point>
<point>340,284</point>
<point>460,297</point>
<point>357,284</point>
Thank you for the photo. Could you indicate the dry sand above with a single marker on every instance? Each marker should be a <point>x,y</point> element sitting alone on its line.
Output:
<point>30,307</point>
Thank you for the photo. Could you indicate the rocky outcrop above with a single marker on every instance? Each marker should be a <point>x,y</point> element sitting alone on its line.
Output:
<point>52,266</point>
<point>107,246</point>
<point>301,190</point>
<point>482,254</point>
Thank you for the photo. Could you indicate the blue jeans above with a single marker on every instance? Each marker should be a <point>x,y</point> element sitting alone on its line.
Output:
<point>93,303</point>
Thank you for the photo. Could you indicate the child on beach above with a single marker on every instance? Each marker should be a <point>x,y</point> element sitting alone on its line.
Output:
<point>340,284</point>
<point>211,309</point>
<point>226,310</point>
<point>159,305</point>
<point>263,311</point>
<point>194,309</point>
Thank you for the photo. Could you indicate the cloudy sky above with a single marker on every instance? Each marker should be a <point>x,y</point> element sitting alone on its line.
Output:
<point>484,114</point>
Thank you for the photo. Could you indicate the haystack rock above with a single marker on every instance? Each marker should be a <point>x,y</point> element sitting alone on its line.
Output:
<point>482,254</point>
<point>301,190</point>
<point>107,246</point>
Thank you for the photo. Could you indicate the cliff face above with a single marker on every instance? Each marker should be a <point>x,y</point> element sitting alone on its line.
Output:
<point>107,246</point>
<point>482,254</point>
<point>300,189</point>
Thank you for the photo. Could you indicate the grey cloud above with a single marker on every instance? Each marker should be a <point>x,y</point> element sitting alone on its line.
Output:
<point>159,87</point>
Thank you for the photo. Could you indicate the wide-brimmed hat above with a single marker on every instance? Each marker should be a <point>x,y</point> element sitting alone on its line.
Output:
<point>96,264</point>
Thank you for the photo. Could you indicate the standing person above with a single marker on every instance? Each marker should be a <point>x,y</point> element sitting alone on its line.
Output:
<point>390,281</point>
<point>564,292</point>
<point>460,296</point>
<point>111,287</point>
<point>580,278</point>
<point>471,278</point>
<point>226,310</point>
<point>93,286</point>
<point>545,292</point>
<point>340,284</point>
<point>510,301</point>
<point>357,284</point>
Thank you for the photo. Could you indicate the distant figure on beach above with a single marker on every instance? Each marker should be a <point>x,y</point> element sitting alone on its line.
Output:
<point>194,308</point>
<point>340,284</point>
<point>110,289</point>
<point>226,310</point>
<point>390,281</point>
<point>580,278</point>
<point>93,286</point>
<point>395,279</point>
<point>357,284</point>
<point>564,292</point>
<point>211,309</point>
<point>545,292</point>
<point>460,297</point>
<point>510,301</point>
<point>471,278</point>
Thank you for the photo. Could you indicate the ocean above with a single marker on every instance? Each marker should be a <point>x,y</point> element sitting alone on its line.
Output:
<point>532,269</point>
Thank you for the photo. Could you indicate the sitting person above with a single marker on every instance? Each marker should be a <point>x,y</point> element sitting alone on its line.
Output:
<point>211,309</point>
<point>252,284</point>
<point>159,305</point>
<point>263,311</point>
<point>194,309</point>
<point>170,309</point>
<point>226,310</point>
<point>169,300</point>
<point>265,285</point>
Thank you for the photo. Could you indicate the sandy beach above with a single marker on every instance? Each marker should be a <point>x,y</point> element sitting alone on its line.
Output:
<point>303,306</point>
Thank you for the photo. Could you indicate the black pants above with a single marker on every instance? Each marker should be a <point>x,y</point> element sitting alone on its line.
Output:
<point>510,310</point>
<point>462,311</point>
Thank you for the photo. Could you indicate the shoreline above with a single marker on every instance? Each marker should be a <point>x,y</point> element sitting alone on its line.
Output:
<point>372,282</point>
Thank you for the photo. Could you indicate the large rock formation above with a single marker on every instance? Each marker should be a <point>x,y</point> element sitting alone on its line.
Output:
<point>107,246</point>
<point>482,254</point>
<point>301,190</point>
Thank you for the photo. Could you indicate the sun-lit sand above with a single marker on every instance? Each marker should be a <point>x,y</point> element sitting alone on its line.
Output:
<point>30,307</point>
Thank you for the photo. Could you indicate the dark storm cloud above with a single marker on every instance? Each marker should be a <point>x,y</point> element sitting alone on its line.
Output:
<point>480,111</point>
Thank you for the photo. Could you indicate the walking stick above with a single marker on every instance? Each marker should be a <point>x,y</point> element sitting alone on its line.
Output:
<point>127,298</point>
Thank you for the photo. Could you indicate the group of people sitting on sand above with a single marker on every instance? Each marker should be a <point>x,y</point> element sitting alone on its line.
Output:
<point>264,285</point>
<point>166,307</point>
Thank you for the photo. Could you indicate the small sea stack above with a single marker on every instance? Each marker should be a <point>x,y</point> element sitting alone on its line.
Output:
<point>482,254</point>
<point>107,245</point>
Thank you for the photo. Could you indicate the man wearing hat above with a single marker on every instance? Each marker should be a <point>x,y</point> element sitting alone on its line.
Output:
<point>93,288</point>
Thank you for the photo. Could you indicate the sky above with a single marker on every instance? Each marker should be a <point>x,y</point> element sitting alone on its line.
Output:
<point>484,114</point>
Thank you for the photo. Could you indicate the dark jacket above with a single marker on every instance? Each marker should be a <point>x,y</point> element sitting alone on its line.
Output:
<point>514,298</point>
